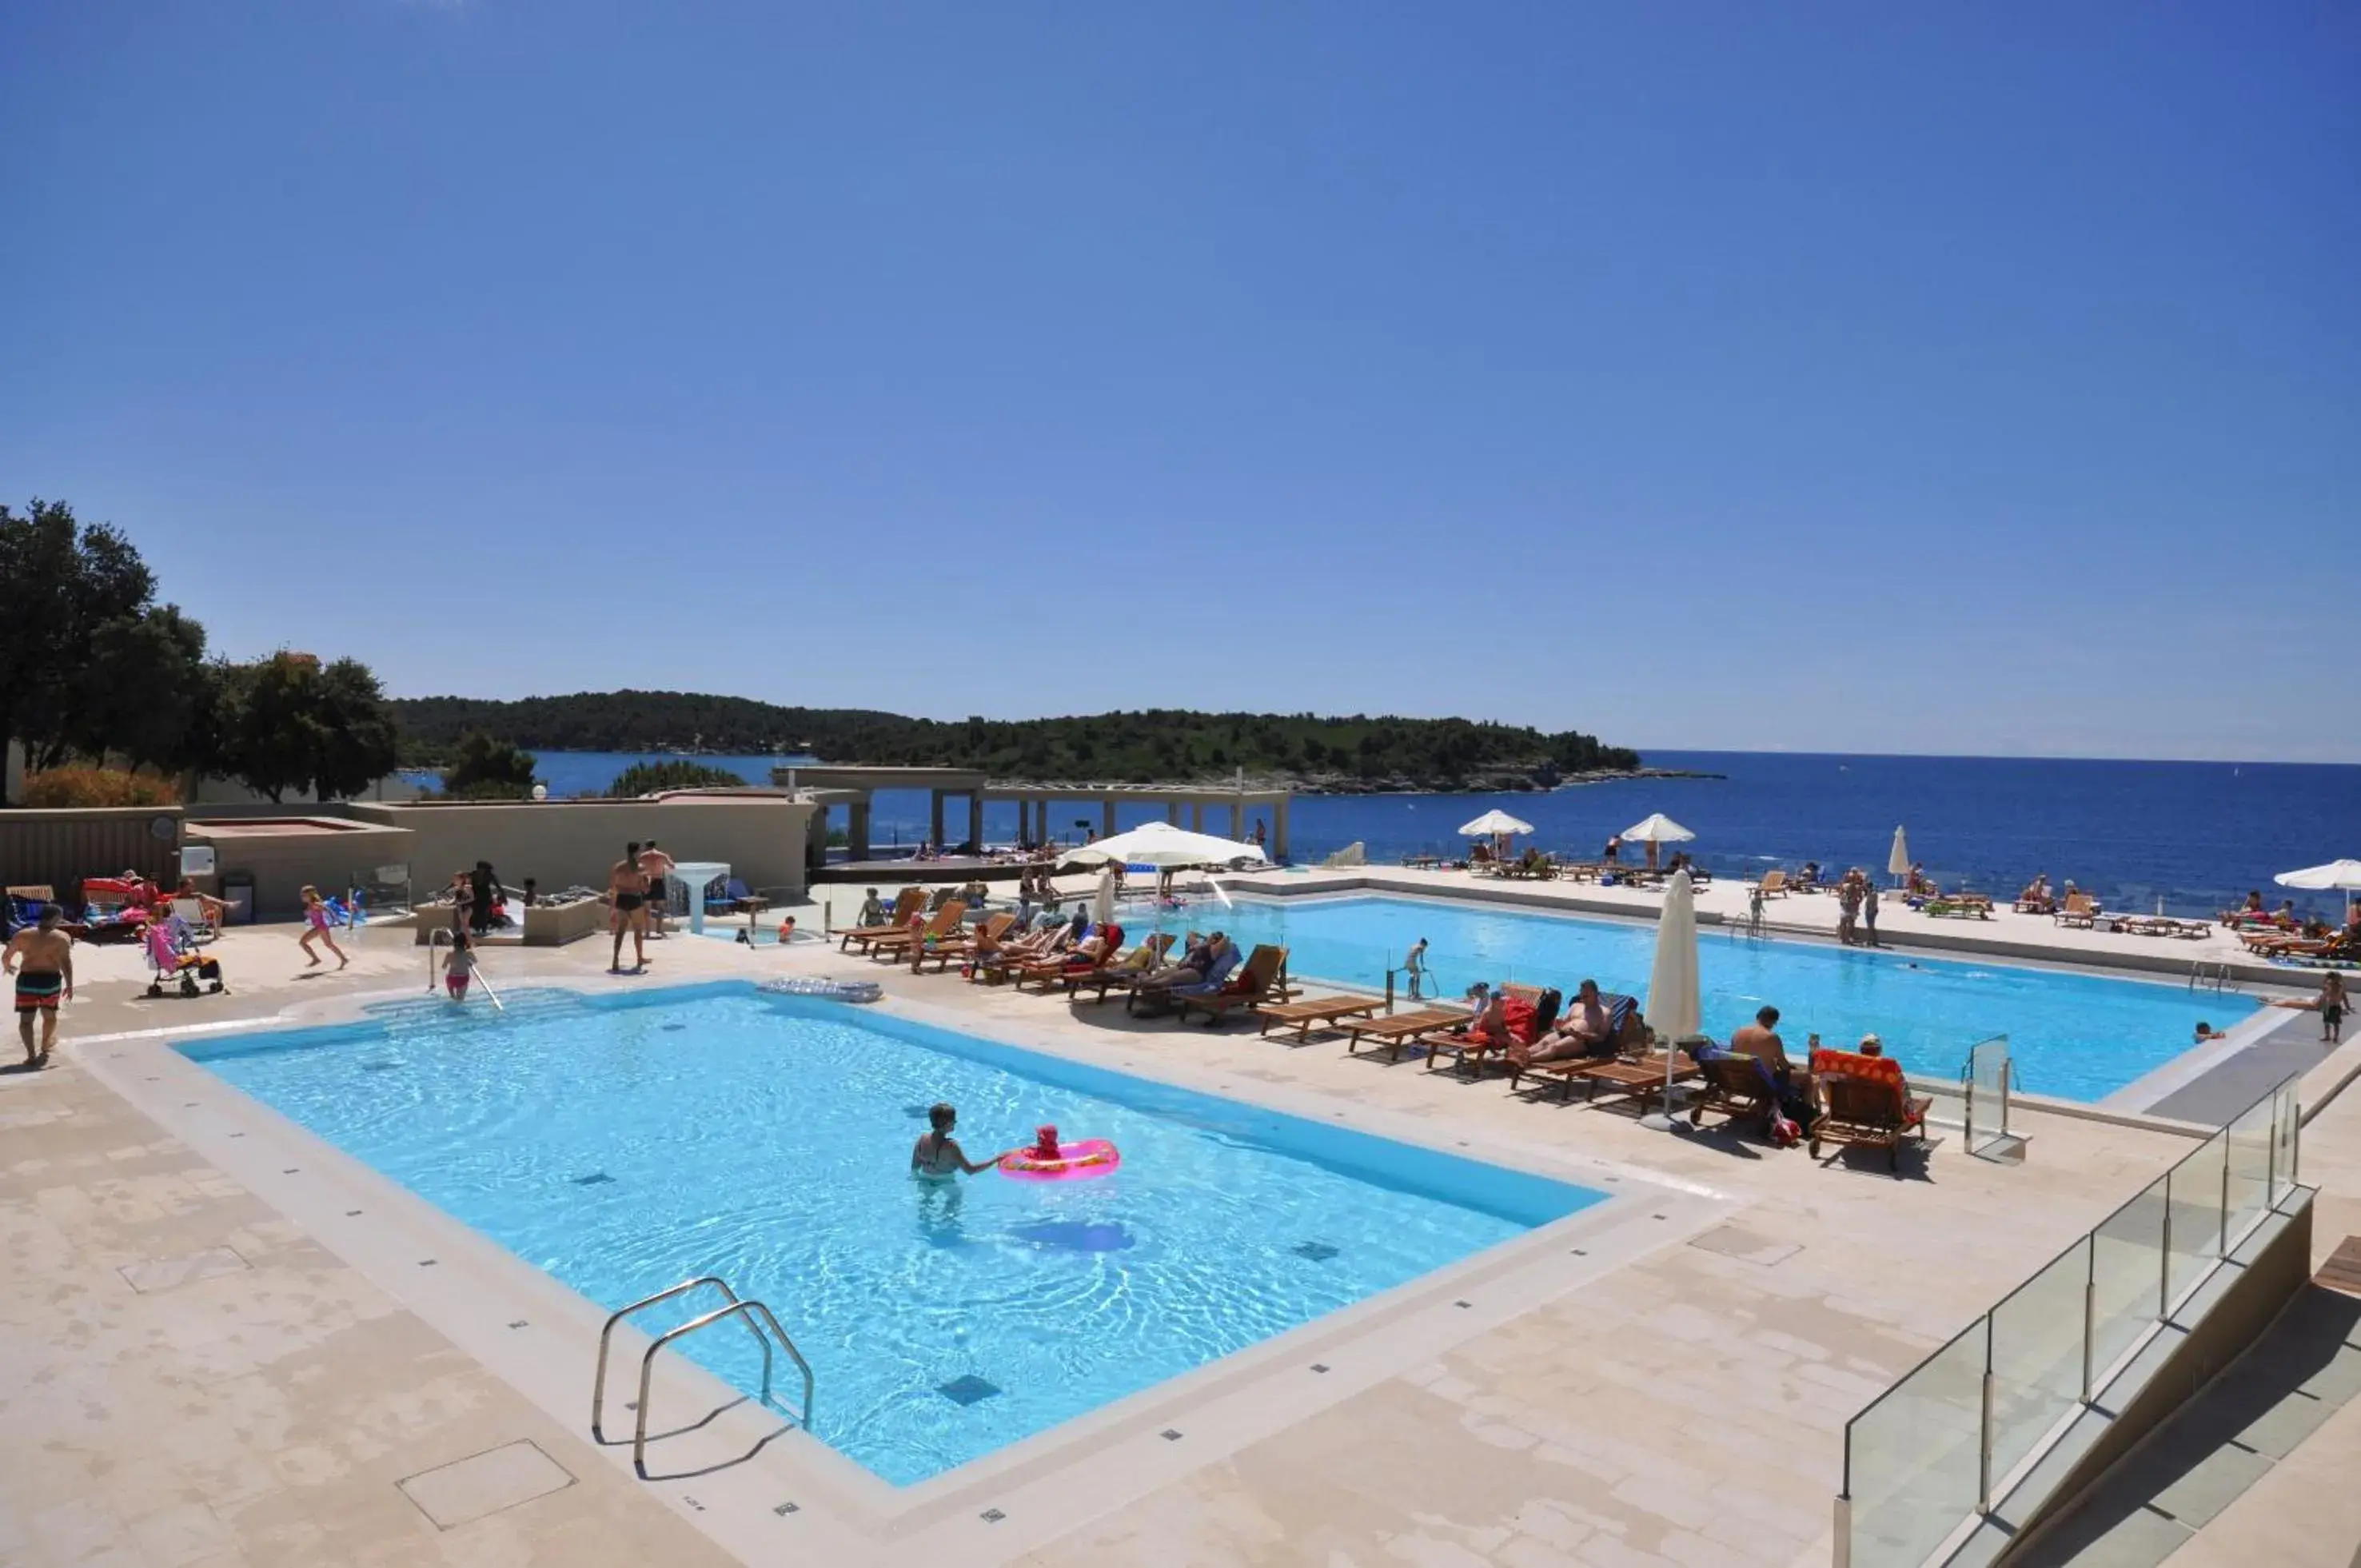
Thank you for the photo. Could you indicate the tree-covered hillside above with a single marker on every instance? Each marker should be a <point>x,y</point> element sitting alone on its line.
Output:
<point>1155,744</point>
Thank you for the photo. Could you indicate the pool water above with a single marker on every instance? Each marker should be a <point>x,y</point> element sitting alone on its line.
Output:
<point>2076,1036</point>
<point>625,1143</point>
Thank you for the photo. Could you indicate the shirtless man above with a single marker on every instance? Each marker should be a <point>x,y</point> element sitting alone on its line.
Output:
<point>1761,1040</point>
<point>1582,1032</point>
<point>42,961</point>
<point>658,866</point>
<point>626,885</point>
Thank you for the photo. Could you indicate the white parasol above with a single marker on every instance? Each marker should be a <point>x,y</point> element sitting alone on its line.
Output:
<point>1674,1011</point>
<point>1163,845</point>
<point>1897,863</point>
<point>1493,824</point>
<point>1658,829</point>
<point>1103,901</point>
<point>2345,875</point>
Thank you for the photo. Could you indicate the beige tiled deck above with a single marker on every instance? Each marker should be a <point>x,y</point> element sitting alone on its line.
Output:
<point>1685,1408</point>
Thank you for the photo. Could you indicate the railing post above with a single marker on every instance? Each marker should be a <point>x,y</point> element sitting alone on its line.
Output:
<point>1842,1556</point>
<point>2164,1258</point>
<point>2223,1250</point>
<point>2090,1315</point>
<point>1389,993</point>
<point>2007,1072</point>
<point>1984,1431</point>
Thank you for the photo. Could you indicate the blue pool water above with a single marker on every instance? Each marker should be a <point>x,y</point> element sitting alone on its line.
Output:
<point>2079,1036</point>
<point>625,1144</point>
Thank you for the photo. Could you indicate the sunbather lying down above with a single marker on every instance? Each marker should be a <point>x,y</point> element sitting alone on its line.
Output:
<point>1586,1030</point>
<point>1198,965</point>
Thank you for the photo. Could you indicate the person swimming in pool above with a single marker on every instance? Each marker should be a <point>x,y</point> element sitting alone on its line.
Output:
<point>937,1155</point>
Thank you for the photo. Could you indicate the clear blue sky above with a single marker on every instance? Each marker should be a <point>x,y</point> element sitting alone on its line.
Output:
<point>1864,376</point>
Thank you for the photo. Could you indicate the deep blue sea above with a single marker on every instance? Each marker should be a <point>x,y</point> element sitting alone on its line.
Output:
<point>2196,835</point>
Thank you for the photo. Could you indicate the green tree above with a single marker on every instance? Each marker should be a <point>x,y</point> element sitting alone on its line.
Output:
<point>678,773</point>
<point>289,724</point>
<point>60,581</point>
<point>146,692</point>
<point>487,768</point>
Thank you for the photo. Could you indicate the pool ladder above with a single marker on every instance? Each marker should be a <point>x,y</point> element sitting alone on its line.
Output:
<point>759,1321</point>
<point>2205,976</point>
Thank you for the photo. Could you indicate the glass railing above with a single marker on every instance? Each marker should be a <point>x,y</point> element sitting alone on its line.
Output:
<point>1988,1088</point>
<point>1936,1449</point>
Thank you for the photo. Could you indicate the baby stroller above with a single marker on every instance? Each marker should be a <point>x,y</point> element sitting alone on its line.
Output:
<point>173,956</point>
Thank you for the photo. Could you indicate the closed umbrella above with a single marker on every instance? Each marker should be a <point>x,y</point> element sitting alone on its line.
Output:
<point>1102,901</point>
<point>1674,1011</point>
<point>1897,863</point>
<point>1657,828</point>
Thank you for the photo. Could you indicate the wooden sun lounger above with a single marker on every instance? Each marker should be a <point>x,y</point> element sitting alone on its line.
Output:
<point>939,925</point>
<point>1774,883</point>
<point>1736,1088</point>
<point>962,948</point>
<point>1306,1016</point>
<point>1642,1076</point>
<point>1868,1111</point>
<point>2078,910</point>
<point>907,902</point>
<point>1122,972</point>
<point>1253,985</point>
<point>1401,1029</point>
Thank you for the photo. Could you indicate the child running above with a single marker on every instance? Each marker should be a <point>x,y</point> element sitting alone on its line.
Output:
<point>316,924</point>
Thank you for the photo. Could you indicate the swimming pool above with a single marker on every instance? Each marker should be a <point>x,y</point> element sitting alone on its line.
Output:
<point>624,1144</point>
<point>2078,1036</point>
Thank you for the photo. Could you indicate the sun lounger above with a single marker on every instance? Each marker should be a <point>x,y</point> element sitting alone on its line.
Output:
<point>1124,971</point>
<point>1642,1076</point>
<point>906,904</point>
<point>939,926</point>
<point>960,950</point>
<point>2078,910</point>
<point>1866,1099</point>
<point>1774,883</point>
<point>1401,1029</point>
<point>1626,1035</point>
<point>1737,1087</point>
<point>1167,990</point>
<point>1249,989</point>
<point>1327,1012</point>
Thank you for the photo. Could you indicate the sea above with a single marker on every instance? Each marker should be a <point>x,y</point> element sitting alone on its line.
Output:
<point>2187,837</point>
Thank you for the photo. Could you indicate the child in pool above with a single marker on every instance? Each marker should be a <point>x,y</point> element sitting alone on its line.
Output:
<point>1045,1142</point>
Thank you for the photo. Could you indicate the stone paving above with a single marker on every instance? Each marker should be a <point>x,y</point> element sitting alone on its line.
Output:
<point>189,1378</point>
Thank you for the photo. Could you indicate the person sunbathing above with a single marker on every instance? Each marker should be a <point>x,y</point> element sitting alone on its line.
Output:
<point>1588,1029</point>
<point>1196,966</point>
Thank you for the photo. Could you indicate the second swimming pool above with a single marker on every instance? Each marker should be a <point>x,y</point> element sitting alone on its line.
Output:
<point>2076,1036</point>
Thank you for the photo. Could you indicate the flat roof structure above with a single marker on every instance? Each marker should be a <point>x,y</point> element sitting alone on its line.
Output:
<point>1033,800</point>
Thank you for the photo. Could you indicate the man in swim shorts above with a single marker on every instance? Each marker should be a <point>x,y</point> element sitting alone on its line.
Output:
<point>42,961</point>
<point>626,887</point>
<point>937,1154</point>
<point>658,866</point>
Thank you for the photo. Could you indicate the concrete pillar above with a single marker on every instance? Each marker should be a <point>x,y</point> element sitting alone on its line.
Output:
<point>1196,817</point>
<point>935,819</point>
<point>856,829</point>
<point>1237,819</point>
<point>1279,828</point>
<point>1106,817</point>
<point>975,820</point>
<point>1041,821</point>
<point>1173,812</point>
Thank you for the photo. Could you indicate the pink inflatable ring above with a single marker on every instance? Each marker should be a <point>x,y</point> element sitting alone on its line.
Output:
<point>1091,1156</point>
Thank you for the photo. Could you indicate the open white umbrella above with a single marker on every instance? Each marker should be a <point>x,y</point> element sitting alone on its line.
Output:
<point>1897,863</point>
<point>1492,824</point>
<point>1674,1011</point>
<point>1657,828</point>
<point>2345,875</point>
<point>1163,845</point>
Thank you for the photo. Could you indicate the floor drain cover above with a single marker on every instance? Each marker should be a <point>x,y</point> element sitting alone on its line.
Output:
<point>967,1390</point>
<point>593,1179</point>
<point>1318,1252</point>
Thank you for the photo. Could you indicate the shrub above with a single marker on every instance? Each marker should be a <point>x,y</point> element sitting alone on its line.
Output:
<point>646,778</point>
<point>97,787</point>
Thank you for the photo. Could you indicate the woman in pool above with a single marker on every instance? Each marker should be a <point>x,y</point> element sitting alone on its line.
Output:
<point>937,1156</point>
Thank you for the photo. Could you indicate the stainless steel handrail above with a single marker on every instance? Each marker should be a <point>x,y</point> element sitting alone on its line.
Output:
<point>433,937</point>
<point>606,1337</point>
<point>737,1308</point>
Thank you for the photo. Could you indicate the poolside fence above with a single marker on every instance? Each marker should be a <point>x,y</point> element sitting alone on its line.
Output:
<point>1936,1453</point>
